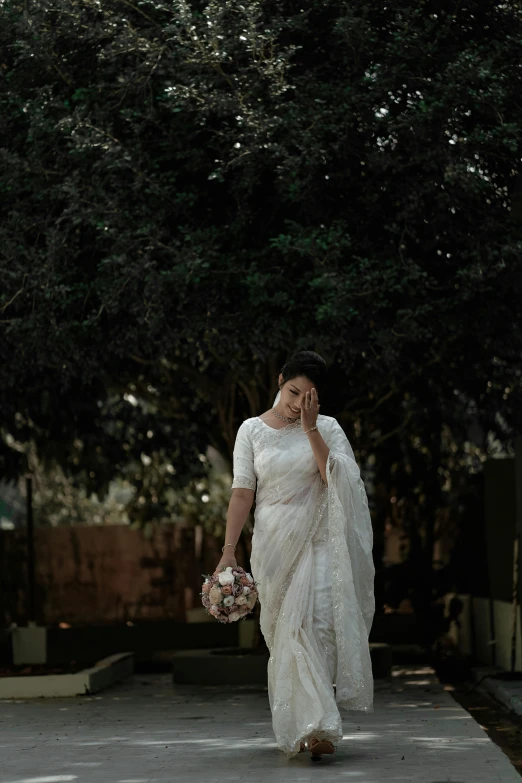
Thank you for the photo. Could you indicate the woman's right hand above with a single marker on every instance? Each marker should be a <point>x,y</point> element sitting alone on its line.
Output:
<point>226,560</point>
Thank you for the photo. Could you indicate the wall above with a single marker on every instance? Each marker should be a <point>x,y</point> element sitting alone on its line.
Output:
<point>487,621</point>
<point>496,649</point>
<point>500,524</point>
<point>104,574</point>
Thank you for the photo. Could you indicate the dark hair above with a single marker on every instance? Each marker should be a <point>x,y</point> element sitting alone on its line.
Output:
<point>306,363</point>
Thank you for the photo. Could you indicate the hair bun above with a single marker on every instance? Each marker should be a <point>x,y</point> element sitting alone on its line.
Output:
<point>308,357</point>
<point>308,363</point>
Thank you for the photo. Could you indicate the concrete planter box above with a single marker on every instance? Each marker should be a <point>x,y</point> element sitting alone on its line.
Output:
<point>244,666</point>
<point>229,666</point>
<point>104,673</point>
<point>91,643</point>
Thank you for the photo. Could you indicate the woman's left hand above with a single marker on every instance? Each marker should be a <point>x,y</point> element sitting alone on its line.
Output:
<point>310,410</point>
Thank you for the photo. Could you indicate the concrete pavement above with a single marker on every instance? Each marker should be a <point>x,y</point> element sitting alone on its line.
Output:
<point>145,730</point>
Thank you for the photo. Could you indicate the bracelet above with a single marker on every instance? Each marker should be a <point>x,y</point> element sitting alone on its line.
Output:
<point>310,430</point>
<point>224,545</point>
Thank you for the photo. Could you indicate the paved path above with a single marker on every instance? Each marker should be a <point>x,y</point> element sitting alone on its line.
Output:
<point>145,731</point>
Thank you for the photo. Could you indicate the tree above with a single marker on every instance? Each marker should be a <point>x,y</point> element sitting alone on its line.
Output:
<point>190,192</point>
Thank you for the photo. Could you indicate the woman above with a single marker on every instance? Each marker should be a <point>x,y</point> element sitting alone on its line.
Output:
<point>312,557</point>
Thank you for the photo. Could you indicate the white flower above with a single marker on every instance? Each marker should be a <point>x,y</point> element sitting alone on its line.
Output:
<point>233,616</point>
<point>241,600</point>
<point>250,579</point>
<point>226,578</point>
<point>228,568</point>
<point>228,601</point>
<point>246,590</point>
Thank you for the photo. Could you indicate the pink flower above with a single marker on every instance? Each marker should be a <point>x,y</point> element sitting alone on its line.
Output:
<point>214,611</point>
<point>244,580</point>
<point>226,589</point>
<point>233,617</point>
<point>206,588</point>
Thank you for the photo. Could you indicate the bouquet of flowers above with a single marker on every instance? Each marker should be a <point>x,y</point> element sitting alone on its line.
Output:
<point>229,594</point>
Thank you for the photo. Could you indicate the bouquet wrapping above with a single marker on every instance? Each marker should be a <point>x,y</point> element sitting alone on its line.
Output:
<point>229,594</point>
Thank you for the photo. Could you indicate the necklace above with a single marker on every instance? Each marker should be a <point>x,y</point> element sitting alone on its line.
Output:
<point>283,418</point>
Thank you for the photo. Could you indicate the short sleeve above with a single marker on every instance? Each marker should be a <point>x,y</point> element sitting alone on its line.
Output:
<point>243,460</point>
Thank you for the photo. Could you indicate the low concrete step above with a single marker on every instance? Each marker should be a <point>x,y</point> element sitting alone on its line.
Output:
<point>104,673</point>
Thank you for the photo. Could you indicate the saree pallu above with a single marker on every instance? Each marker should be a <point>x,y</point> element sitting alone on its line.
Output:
<point>297,519</point>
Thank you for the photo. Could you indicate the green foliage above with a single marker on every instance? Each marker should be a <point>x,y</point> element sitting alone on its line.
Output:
<point>189,192</point>
<point>204,501</point>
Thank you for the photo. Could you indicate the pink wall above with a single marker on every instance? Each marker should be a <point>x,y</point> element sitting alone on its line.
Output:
<point>105,574</point>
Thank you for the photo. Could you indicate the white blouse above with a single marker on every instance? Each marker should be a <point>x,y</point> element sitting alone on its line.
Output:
<point>262,453</point>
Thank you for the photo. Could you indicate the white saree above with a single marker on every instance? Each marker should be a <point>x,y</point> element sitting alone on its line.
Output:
<point>312,557</point>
